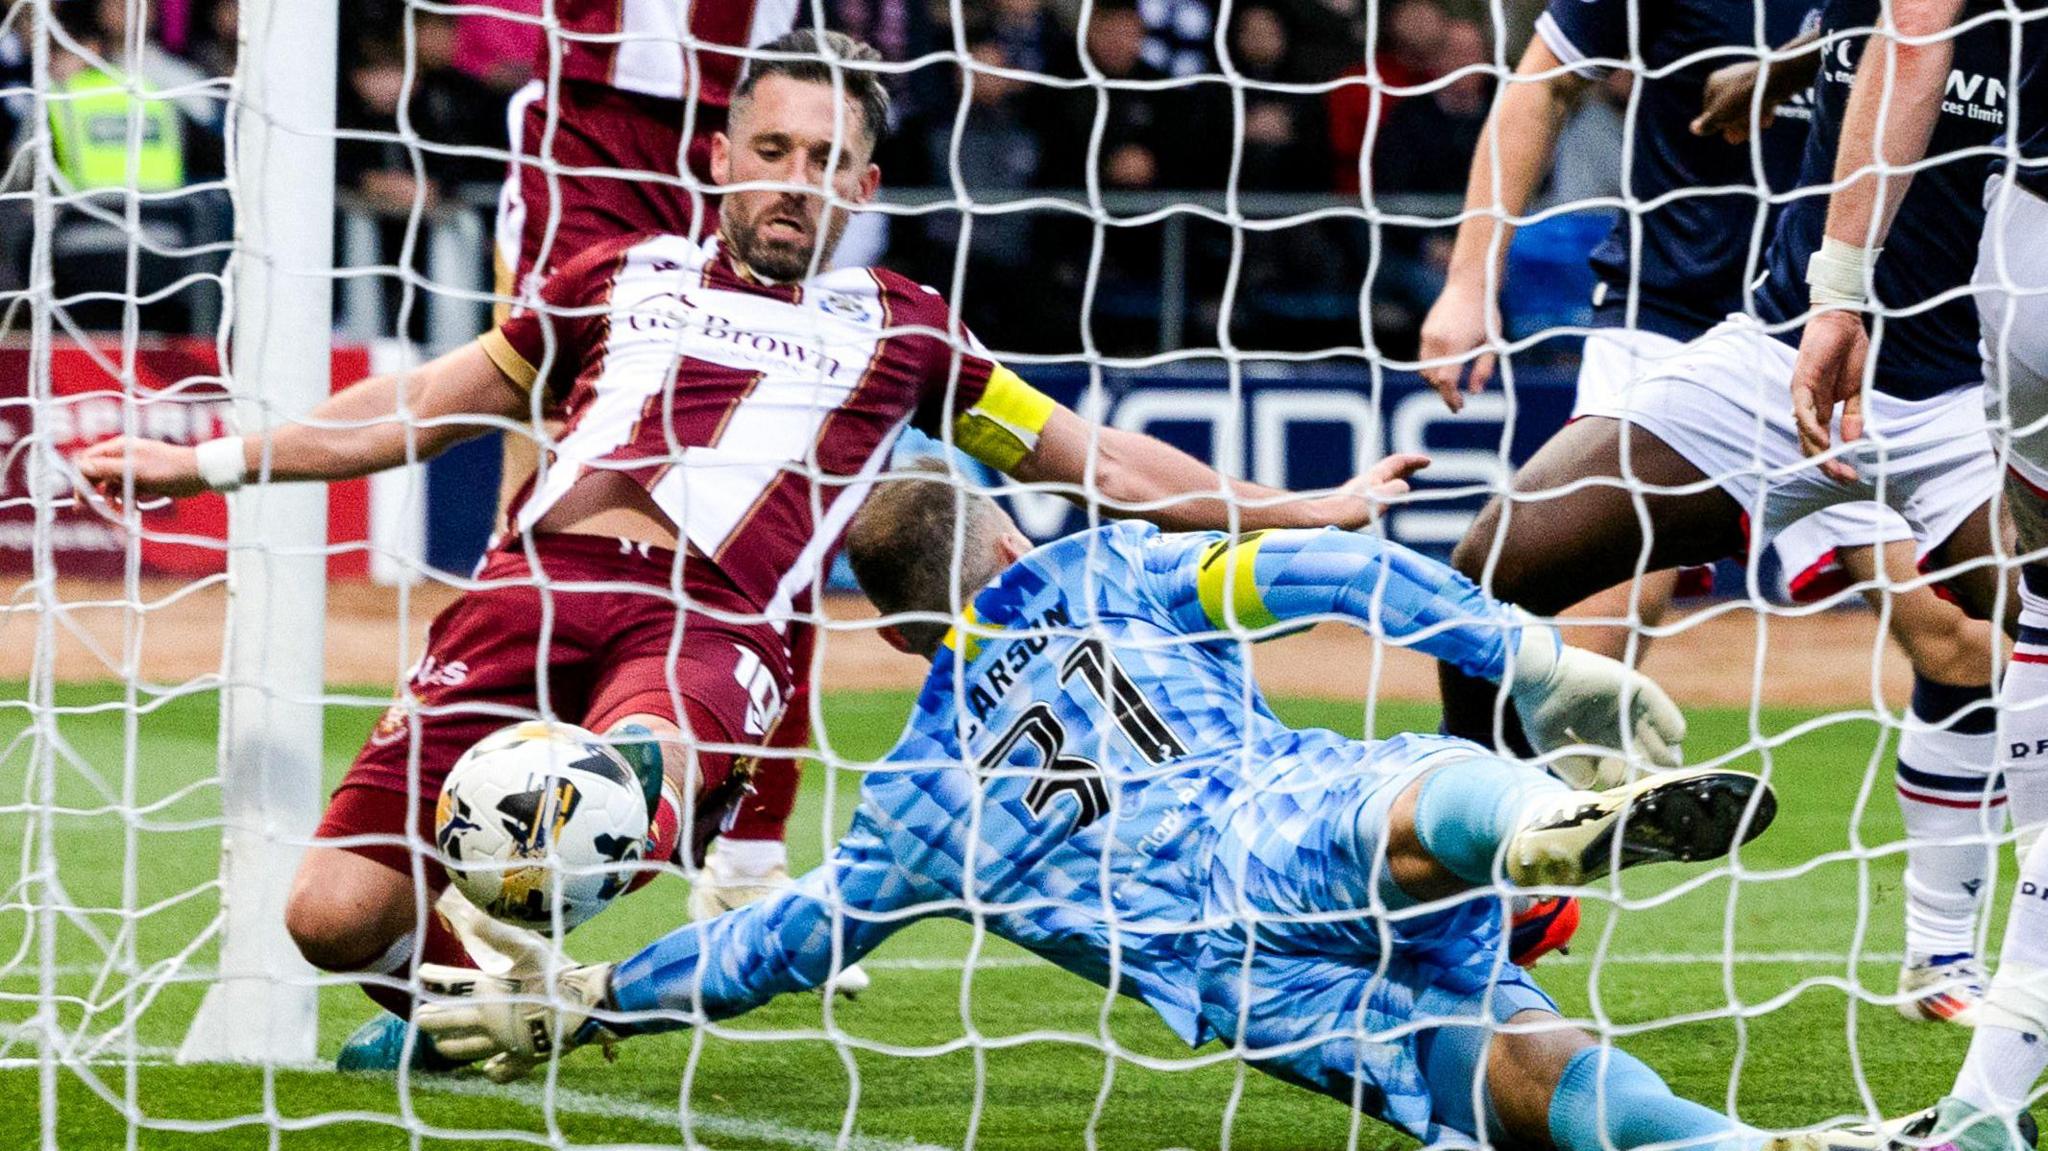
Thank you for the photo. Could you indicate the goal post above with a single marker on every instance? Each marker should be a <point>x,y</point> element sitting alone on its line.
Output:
<point>264,1005</point>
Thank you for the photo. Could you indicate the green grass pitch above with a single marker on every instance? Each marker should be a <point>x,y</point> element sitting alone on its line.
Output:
<point>1011,1055</point>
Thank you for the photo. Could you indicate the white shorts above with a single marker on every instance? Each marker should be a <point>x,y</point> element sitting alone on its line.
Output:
<point>1809,569</point>
<point>1613,360</point>
<point>2012,302</point>
<point>1725,404</point>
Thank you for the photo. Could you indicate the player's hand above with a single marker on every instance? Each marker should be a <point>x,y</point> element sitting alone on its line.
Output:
<point>1829,372</point>
<point>1570,698</point>
<point>1726,105</point>
<point>160,469</point>
<point>1453,330</point>
<point>512,1023</point>
<point>1360,502</point>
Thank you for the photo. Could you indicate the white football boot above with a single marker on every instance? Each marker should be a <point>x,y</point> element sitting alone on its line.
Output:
<point>1950,1125</point>
<point>1678,817</point>
<point>1942,989</point>
<point>724,885</point>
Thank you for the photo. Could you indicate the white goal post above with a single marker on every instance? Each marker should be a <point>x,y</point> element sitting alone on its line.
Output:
<point>264,1007</point>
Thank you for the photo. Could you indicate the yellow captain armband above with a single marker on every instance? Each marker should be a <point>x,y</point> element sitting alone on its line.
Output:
<point>1226,582</point>
<point>1003,425</point>
<point>508,359</point>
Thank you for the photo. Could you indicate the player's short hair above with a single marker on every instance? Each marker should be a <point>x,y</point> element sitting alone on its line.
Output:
<point>831,58</point>
<point>902,546</point>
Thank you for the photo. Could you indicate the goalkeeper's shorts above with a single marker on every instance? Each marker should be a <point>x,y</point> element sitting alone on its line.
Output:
<point>601,619</point>
<point>1350,987</point>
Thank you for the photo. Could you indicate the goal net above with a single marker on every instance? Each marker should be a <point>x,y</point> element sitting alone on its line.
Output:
<point>1228,226</point>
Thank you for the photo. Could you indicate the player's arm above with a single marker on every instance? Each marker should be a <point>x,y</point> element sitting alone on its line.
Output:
<point>1893,107</point>
<point>704,971</point>
<point>1509,165</point>
<point>374,424</point>
<point>1731,106</point>
<point>1023,433</point>
<point>1564,695</point>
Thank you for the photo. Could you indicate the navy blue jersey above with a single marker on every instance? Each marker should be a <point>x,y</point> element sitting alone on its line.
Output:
<point>1696,248</point>
<point>2032,105</point>
<point>1921,351</point>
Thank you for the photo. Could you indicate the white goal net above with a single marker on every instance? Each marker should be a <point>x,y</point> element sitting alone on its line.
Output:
<point>1239,227</point>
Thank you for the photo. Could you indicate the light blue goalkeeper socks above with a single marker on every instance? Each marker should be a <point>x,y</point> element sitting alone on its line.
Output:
<point>1467,809</point>
<point>1638,1109</point>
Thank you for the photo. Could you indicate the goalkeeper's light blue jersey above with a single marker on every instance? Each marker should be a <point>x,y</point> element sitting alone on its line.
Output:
<point>1092,772</point>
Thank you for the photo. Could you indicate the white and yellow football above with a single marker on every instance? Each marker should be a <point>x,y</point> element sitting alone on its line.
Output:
<point>541,819</point>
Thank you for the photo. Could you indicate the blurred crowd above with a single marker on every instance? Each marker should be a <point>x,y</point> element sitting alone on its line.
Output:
<point>1363,101</point>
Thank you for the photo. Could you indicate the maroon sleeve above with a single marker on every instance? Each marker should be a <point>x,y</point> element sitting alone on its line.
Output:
<point>953,364</point>
<point>551,341</point>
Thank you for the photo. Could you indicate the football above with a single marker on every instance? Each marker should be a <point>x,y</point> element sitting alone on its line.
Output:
<point>539,815</point>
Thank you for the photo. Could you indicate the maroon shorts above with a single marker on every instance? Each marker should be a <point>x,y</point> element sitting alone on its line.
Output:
<point>597,126</point>
<point>607,654</point>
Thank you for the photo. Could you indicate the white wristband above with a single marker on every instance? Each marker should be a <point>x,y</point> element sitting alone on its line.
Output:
<point>222,463</point>
<point>1837,274</point>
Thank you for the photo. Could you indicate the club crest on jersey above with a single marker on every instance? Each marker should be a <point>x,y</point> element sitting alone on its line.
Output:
<point>392,726</point>
<point>848,307</point>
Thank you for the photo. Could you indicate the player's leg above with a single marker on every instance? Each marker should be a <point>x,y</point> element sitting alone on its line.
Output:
<point>711,722</point>
<point>1645,600</point>
<point>1612,360</point>
<point>1950,796</point>
<point>750,860</point>
<point>1572,527</point>
<point>1492,1061</point>
<point>2009,1049</point>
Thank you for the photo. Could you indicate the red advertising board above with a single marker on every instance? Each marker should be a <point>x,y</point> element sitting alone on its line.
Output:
<point>177,396</point>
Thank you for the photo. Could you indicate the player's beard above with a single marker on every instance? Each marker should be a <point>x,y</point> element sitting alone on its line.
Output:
<point>781,260</point>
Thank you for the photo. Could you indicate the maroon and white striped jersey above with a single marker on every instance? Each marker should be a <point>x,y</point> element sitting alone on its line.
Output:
<point>654,46</point>
<point>755,414</point>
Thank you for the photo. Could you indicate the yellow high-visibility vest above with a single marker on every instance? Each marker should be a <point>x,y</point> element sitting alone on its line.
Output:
<point>89,135</point>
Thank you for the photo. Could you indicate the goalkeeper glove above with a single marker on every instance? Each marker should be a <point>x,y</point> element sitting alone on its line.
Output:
<point>513,1022</point>
<point>1568,697</point>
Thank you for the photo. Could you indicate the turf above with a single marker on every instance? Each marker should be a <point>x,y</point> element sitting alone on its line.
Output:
<point>1692,974</point>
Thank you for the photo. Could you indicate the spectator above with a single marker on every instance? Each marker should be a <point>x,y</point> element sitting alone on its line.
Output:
<point>1412,41</point>
<point>1426,146</point>
<point>155,66</point>
<point>1285,147</point>
<point>212,42</point>
<point>443,106</point>
<point>903,31</point>
<point>1426,143</point>
<point>999,153</point>
<point>1031,39</point>
<point>1142,146</point>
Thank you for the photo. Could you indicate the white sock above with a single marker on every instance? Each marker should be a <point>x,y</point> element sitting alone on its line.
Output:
<point>397,958</point>
<point>1954,810</point>
<point>2009,1049</point>
<point>2023,716</point>
<point>1999,1072</point>
<point>745,859</point>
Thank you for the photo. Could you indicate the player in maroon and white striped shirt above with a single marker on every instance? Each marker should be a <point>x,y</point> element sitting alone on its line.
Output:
<point>725,409</point>
<point>613,139</point>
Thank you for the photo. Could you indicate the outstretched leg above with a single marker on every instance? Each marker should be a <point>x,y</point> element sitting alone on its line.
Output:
<point>1572,528</point>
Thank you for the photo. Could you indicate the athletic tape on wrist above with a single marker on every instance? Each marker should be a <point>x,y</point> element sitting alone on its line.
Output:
<point>222,463</point>
<point>1837,273</point>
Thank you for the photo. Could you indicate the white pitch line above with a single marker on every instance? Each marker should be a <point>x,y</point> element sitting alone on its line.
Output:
<point>571,1101</point>
<point>578,1102</point>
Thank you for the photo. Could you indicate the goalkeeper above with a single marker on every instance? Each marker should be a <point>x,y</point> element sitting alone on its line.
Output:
<point>1315,898</point>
